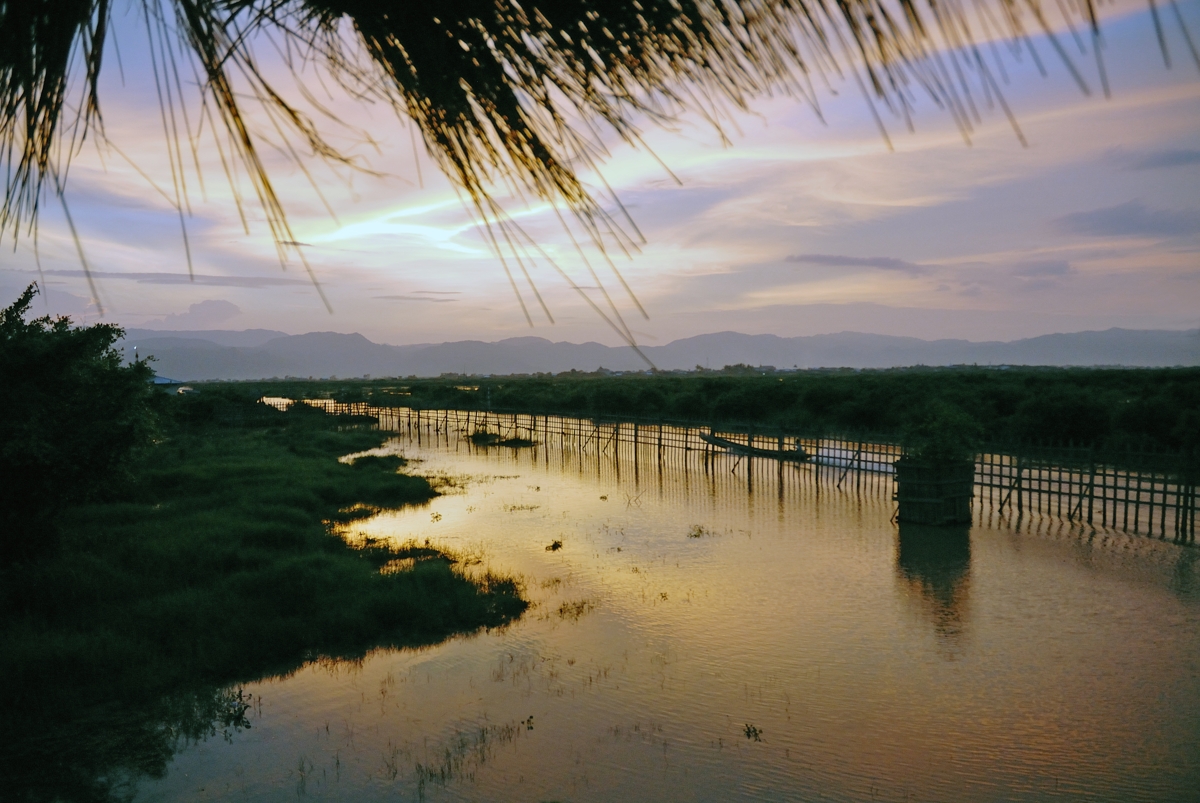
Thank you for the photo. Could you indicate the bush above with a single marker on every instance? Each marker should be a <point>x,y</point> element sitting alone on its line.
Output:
<point>943,434</point>
<point>74,416</point>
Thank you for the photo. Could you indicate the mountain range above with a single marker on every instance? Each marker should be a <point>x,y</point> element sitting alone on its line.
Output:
<point>264,353</point>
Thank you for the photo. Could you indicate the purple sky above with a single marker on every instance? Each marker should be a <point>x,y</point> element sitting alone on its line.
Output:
<point>796,228</point>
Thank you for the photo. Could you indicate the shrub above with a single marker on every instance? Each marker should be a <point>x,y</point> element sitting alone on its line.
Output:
<point>944,433</point>
<point>74,417</point>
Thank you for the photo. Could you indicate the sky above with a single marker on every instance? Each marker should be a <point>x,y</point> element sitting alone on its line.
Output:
<point>798,225</point>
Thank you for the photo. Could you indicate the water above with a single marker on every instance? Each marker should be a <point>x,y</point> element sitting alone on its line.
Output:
<point>705,634</point>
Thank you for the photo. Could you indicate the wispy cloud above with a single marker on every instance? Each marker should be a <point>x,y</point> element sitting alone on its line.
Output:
<point>417,298</point>
<point>1165,158</point>
<point>1042,270</point>
<point>201,315</point>
<point>836,261</point>
<point>1132,219</point>
<point>207,280</point>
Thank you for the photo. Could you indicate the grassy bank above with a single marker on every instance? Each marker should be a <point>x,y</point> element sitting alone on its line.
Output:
<point>216,565</point>
<point>1117,408</point>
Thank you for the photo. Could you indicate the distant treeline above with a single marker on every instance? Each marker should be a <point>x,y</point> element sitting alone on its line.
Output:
<point>1118,408</point>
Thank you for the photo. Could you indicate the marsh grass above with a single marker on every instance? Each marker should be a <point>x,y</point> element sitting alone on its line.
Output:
<point>219,564</point>
<point>493,439</point>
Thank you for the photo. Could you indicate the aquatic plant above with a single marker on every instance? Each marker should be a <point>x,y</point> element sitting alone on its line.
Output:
<point>481,438</point>
<point>516,443</point>
<point>576,609</point>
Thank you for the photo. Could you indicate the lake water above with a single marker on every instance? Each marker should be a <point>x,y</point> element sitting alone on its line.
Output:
<point>705,633</point>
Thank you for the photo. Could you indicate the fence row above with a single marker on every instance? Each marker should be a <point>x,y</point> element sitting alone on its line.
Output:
<point>1153,494</point>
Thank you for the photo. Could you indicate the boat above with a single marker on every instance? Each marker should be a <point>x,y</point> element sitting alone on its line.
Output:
<point>797,455</point>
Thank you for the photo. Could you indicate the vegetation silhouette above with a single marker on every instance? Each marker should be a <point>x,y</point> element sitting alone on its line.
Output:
<point>75,417</point>
<point>942,433</point>
<point>220,562</point>
<point>1112,408</point>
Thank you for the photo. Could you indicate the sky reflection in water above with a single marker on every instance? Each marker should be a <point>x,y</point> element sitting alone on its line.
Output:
<point>702,637</point>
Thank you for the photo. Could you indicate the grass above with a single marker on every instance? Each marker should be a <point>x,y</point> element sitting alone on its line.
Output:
<point>218,565</point>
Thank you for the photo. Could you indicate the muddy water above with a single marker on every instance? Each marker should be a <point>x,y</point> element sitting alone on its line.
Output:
<point>721,631</point>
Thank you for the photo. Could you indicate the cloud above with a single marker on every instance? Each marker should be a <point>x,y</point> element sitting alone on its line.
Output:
<point>201,315</point>
<point>183,278</point>
<point>1167,158</point>
<point>834,261</point>
<point>53,300</point>
<point>1132,219</point>
<point>1044,270</point>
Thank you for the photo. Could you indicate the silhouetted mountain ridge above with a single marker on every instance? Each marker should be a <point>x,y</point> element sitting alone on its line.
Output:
<point>258,354</point>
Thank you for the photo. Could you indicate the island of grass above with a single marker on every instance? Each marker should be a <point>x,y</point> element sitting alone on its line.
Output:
<point>217,565</point>
<point>495,439</point>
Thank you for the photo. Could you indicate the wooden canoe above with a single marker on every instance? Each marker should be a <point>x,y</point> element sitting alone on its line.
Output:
<point>796,455</point>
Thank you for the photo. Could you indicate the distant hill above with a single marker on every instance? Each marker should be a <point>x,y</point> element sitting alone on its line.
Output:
<point>221,337</point>
<point>262,353</point>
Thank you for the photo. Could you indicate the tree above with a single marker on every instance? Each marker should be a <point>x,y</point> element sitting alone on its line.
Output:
<point>942,433</point>
<point>74,417</point>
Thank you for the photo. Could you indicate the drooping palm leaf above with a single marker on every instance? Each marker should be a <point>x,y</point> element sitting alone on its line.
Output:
<point>502,91</point>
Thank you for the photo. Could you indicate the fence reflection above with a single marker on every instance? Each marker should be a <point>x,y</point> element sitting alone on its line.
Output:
<point>1137,492</point>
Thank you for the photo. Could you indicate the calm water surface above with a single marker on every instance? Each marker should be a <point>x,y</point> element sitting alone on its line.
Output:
<point>714,635</point>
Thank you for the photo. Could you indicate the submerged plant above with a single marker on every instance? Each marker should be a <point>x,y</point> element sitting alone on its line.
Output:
<point>574,610</point>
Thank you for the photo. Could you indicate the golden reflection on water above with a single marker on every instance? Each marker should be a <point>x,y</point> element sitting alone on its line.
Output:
<point>710,629</point>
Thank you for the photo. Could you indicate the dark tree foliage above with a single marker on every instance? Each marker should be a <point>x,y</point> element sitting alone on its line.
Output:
<point>944,409</point>
<point>74,416</point>
<point>942,433</point>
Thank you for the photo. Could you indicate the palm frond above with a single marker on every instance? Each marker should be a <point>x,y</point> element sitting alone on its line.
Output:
<point>504,93</point>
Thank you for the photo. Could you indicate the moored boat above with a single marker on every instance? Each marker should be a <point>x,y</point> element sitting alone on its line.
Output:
<point>797,455</point>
